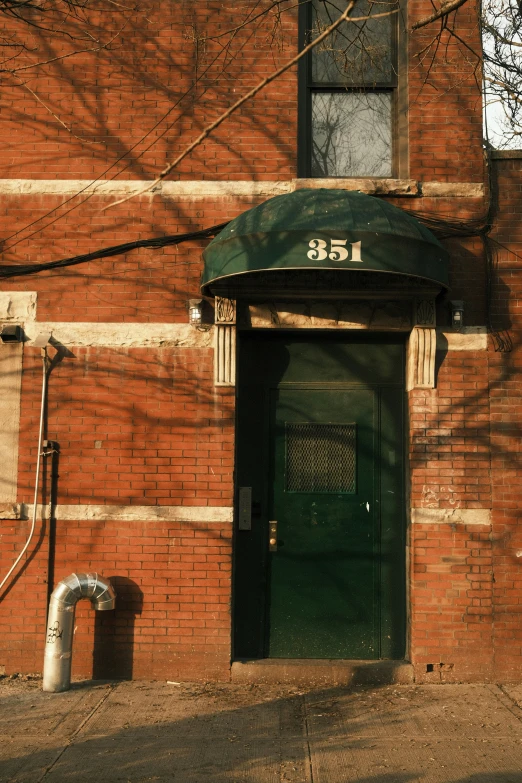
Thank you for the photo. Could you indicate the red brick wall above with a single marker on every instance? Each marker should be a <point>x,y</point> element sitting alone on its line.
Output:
<point>173,607</point>
<point>165,437</point>
<point>451,563</point>
<point>506,421</point>
<point>157,83</point>
<point>173,598</point>
<point>449,431</point>
<point>444,98</point>
<point>145,426</point>
<point>135,426</point>
<point>167,76</point>
<point>466,586</point>
<point>451,603</point>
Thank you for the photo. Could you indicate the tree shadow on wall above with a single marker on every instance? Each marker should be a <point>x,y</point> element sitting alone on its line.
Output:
<point>113,653</point>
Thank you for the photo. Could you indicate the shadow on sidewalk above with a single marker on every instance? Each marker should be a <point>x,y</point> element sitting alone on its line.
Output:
<point>241,734</point>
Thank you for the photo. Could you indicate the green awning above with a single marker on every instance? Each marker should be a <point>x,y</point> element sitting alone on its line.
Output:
<point>325,229</point>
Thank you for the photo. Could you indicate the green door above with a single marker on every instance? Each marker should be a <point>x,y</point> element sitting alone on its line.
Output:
<point>319,572</point>
<point>323,590</point>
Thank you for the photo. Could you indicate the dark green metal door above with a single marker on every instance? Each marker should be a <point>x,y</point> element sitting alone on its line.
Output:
<point>320,571</point>
<point>323,580</point>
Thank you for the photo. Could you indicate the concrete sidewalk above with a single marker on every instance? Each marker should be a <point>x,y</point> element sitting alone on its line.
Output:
<point>226,733</point>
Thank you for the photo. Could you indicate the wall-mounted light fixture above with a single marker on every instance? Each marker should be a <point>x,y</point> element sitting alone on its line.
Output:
<point>11,333</point>
<point>457,314</point>
<point>195,312</point>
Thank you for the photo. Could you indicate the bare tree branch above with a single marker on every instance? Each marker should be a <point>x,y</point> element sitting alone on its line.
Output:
<point>52,60</point>
<point>444,10</point>
<point>250,20</point>
<point>254,91</point>
<point>74,202</point>
<point>501,22</point>
<point>51,112</point>
<point>498,35</point>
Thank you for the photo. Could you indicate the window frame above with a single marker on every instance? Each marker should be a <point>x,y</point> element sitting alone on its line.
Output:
<point>399,118</point>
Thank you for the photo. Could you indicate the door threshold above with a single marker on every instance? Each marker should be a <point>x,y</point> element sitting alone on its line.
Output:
<point>300,671</point>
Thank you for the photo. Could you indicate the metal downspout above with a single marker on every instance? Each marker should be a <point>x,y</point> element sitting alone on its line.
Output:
<point>60,624</point>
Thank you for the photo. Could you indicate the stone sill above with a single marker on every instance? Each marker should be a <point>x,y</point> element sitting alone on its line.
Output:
<point>240,188</point>
<point>397,187</point>
<point>506,155</point>
<point>471,338</point>
<point>453,516</point>
<point>10,511</point>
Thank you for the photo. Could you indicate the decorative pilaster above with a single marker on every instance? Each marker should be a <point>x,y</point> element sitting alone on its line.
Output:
<point>424,313</point>
<point>225,310</point>
<point>225,342</point>
<point>422,346</point>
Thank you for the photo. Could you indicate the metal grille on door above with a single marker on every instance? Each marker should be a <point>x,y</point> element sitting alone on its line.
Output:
<point>320,457</point>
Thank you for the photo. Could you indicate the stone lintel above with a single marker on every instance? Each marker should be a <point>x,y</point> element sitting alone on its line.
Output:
<point>200,189</point>
<point>122,334</point>
<point>10,511</point>
<point>17,306</point>
<point>506,155</point>
<point>453,189</point>
<point>373,187</point>
<point>451,516</point>
<point>384,315</point>
<point>102,513</point>
<point>368,315</point>
<point>471,338</point>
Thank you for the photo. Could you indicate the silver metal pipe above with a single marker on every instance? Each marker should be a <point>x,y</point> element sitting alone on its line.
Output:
<point>60,624</point>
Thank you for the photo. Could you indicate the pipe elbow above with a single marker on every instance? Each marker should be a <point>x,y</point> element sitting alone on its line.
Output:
<point>104,597</point>
<point>98,590</point>
<point>60,624</point>
<point>67,592</point>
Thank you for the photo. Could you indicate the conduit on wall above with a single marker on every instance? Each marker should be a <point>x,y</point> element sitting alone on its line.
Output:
<point>60,624</point>
<point>41,342</point>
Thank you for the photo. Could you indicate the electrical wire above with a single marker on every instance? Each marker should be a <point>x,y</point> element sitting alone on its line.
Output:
<point>118,160</point>
<point>20,270</point>
<point>442,227</point>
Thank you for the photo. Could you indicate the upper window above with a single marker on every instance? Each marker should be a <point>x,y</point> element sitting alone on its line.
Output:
<point>348,86</point>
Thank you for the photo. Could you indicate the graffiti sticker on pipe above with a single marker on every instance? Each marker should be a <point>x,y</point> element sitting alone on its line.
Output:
<point>55,632</point>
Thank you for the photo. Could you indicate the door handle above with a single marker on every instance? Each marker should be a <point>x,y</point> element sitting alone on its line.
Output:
<point>272,536</point>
